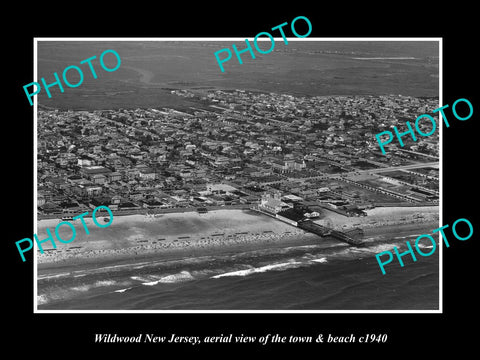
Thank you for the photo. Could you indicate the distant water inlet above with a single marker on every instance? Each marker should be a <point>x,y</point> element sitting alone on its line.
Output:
<point>249,48</point>
<point>78,77</point>
<point>146,76</point>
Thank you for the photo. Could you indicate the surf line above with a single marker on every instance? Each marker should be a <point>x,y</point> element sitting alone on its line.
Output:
<point>70,225</point>
<point>421,253</point>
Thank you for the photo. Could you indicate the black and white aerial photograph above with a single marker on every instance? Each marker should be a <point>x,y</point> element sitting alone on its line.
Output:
<point>261,187</point>
<point>190,179</point>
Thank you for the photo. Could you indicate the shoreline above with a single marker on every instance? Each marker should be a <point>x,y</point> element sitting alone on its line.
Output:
<point>135,238</point>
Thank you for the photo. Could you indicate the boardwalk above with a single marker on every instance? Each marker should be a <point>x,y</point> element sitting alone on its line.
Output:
<point>310,226</point>
<point>323,231</point>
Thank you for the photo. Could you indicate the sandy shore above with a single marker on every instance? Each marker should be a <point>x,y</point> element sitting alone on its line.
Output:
<point>195,234</point>
<point>169,233</point>
<point>382,216</point>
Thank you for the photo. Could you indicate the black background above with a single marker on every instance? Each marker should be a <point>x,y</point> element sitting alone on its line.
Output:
<point>61,335</point>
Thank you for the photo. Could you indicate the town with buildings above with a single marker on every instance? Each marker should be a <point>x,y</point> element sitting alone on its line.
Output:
<point>238,149</point>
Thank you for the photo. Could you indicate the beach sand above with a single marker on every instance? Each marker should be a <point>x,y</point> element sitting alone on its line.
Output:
<point>194,234</point>
<point>381,216</point>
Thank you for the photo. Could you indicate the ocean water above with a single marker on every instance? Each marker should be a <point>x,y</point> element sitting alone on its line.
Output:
<point>323,276</point>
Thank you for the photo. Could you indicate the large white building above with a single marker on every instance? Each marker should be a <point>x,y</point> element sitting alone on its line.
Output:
<point>288,165</point>
<point>273,203</point>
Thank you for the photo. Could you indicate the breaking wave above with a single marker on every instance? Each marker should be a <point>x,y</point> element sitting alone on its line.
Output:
<point>272,267</point>
<point>131,280</point>
<point>155,279</point>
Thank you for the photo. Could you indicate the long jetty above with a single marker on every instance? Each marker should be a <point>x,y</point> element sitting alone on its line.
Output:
<point>323,231</point>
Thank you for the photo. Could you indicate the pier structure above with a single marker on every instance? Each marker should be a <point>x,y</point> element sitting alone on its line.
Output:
<point>323,231</point>
<point>312,227</point>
